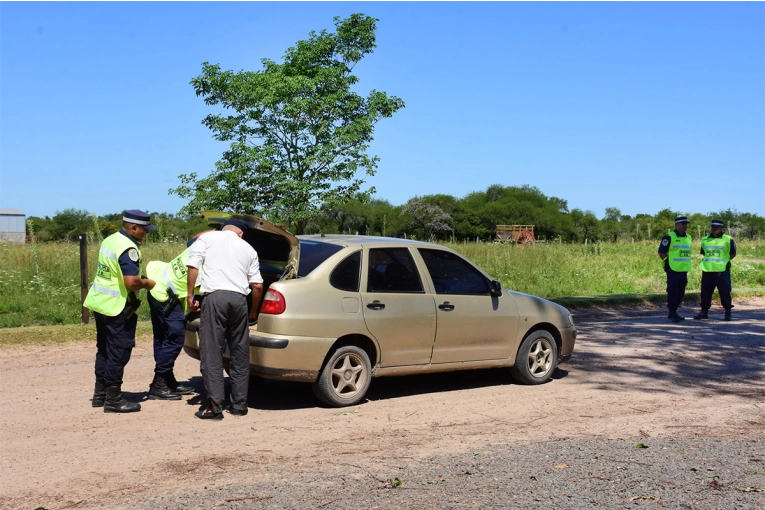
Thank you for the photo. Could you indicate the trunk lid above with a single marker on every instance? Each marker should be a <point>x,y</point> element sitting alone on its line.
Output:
<point>278,250</point>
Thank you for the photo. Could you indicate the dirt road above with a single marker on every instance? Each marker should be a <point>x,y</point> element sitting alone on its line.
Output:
<point>633,375</point>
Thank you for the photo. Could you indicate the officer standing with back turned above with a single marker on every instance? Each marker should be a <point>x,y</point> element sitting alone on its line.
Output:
<point>675,251</point>
<point>114,303</point>
<point>718,249</point>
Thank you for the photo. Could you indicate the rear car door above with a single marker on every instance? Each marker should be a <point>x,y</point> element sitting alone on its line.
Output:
<point>397,310</point>
<point>472,324</point>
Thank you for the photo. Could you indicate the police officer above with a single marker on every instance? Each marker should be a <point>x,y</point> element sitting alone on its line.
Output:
<point>718,249</point>
<point>675,251</point>
<point>168,304</point>
<point>114,303</point>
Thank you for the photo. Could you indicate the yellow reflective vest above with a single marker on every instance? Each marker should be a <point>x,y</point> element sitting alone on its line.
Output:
<point>171,275</point>
<point>679,254</point>
<point>108,293</point>
<point>716,253</point>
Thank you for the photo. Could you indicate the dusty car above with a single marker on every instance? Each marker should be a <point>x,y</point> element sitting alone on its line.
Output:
<point>339,310</point>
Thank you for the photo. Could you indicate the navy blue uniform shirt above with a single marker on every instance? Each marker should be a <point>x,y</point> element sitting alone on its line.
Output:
<point>128,267</point>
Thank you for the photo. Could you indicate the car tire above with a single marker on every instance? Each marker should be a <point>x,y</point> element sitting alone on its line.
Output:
<point>536,358</point>
<point>345,378</point>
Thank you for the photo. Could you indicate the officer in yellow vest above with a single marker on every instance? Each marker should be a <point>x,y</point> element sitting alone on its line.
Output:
<point>114,303</point>
<point>168,304</point>
<point>718,249</point>
<point>675,251</point>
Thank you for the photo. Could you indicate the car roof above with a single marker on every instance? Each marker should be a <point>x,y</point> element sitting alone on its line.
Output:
<point>354,240</point>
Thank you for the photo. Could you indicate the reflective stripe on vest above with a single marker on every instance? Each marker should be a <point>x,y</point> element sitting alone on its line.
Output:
<point>104,290</point>
<point>679,254</point>
<point>716,253</point>
<point>108,293</point>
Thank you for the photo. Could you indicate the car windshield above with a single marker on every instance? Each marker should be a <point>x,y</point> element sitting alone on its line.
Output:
<point>313,253</point>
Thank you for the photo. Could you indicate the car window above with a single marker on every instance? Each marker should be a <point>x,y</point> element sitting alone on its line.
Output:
<point>347,273</point>
<point>392,270</point>
<point>313,253</point>
<point>451,274</point>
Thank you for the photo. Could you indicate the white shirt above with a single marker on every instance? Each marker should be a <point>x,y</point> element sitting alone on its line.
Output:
<point>230,263</point>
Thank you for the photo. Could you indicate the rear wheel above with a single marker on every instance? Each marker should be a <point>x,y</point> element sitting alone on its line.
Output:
<point>536,358</point>
<point>345,378</point>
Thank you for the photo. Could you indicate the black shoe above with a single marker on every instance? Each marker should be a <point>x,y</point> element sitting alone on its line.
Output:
<point>236,412</point>
<point>175,387</point>
<point>99,395</point>
<point>702,316</point>
<point>116,404</point>
<point>158,390</point>
<point>727,315</point>
<point>208,414</point>
<point>677,318</point>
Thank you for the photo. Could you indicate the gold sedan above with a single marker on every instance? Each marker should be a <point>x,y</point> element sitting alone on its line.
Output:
<point>339,310</point>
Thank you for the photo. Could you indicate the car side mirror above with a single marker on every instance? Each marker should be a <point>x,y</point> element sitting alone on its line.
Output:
<point>496,288</point>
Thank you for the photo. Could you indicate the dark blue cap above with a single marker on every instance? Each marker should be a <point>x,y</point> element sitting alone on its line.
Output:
<point>717,223</point>
<point>236,223</point>
<point>682,219</point>
<point>139,218</point>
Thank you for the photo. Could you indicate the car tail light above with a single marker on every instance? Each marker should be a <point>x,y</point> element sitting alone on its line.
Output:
<point>273,303</point>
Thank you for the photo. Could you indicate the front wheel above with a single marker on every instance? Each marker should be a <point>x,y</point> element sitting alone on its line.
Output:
<point>345,378</point>
<point>536,358</point>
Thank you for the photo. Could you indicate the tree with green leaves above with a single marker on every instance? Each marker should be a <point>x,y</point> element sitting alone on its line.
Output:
<point>298,135</point>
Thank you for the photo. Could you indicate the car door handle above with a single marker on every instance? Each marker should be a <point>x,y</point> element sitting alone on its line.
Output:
<point>376,305</point>
<point>446,306</point>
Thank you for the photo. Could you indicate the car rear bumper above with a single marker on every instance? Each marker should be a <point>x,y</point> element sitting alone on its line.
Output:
<point>292,358</point>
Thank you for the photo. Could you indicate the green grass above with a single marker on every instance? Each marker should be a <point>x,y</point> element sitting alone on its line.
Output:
<point>40,283</point>
<point>564,270</point>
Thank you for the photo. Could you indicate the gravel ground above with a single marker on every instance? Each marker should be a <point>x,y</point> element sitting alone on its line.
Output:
<point>569,473</point>
<point>693,394</point>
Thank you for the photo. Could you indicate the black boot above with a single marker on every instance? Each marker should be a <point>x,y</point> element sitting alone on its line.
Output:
<point>158,390</point>
<point>676,318</point>
<point>702,316</point>
<point>116,404</point>
<point>99,395</point>
<point>175,386</point>
<point>727,315</point>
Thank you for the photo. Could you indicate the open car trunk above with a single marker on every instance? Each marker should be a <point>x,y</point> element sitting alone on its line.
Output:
<point>278,250</point>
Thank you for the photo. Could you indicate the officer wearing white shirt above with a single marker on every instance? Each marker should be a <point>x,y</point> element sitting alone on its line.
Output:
<point>231,271</point>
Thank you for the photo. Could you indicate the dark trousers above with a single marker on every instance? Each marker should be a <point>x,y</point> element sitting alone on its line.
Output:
<point>708,283</point>
<point>169,334</point>
<point>115,339</point>
<point>224,323</point>
<point>676,283</point>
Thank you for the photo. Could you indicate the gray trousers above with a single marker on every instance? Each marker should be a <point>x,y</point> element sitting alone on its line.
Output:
<point>224,322</point>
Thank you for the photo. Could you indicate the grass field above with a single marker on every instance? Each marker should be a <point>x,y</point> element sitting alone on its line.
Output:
<point>39,283</point>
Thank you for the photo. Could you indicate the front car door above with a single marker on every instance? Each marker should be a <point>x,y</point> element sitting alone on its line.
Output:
<point>397,310</point>
<point>472,324</point>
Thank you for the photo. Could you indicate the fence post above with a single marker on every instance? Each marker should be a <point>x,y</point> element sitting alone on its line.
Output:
<point>84,276</point>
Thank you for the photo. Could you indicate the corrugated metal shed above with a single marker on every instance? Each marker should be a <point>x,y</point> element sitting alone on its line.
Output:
<point>13,226</point>
<point>13,220</point>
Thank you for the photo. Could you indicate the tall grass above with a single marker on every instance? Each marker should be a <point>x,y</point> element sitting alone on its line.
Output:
<point>40,283</point>
<point>563,270</point>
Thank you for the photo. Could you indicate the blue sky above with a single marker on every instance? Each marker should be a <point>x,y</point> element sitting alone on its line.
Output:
<point>640,106</point>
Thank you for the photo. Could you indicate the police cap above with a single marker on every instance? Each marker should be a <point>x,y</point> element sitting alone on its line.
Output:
<point>139,218</point>
<point>682,219</point>
<point>717,223</point>
<point>236,223</point>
